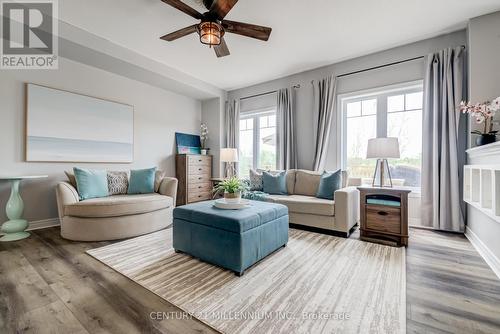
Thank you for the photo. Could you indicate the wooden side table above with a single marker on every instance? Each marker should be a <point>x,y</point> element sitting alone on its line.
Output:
<point>384,215</point>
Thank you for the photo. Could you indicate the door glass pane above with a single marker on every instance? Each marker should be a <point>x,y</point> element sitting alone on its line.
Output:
<point>395,103</point>
<point>246,147</point>
<point>406,126</point>
<point>267,142</point>
<point>369,107</point>
<point>414,101</point>
<point>359,130</point>
<point>354,109</point>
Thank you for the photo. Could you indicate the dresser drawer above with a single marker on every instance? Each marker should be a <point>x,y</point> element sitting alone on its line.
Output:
<point>196,160</point>
<point>199,187</point>
<point>199,196</point>
<point>383,218</point>
<point>198,178</point>
<point>199,169</point>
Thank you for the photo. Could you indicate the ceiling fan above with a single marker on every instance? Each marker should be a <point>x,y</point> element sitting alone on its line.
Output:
<point>212,25</point>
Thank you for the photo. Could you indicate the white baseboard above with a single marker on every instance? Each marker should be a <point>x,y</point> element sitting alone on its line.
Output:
<point>484,251</point>
<point>39,224</point>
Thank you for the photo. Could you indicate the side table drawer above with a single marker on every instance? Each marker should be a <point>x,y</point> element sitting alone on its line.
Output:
<point>383,218</point>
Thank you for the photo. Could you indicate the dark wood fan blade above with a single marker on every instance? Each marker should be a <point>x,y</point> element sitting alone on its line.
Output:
<point>184,8</point>
<point>222,7</point>
<point>179,33</point>
<point>246,29</point>
<point>221,50</point>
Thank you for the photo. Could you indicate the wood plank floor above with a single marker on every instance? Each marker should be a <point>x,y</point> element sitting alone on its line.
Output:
<point>49,285</point>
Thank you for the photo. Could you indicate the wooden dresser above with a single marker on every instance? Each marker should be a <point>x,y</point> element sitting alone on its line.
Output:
<point>384,215</point>
<point>194,173</point>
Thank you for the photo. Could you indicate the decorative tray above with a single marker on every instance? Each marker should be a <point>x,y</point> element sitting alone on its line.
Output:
<point>223,204</point>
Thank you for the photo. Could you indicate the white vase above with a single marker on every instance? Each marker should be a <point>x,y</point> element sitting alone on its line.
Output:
<point>232,197</point>
<point>204,151</point>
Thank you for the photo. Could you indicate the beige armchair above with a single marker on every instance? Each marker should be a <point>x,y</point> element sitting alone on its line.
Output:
<point>114,217</point>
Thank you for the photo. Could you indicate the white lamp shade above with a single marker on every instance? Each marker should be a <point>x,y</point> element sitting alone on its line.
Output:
<point>229,155</point>
<point>383,148</point>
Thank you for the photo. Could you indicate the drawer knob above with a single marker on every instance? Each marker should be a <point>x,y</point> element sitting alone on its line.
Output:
<point>382,213</point>
<point>199,168</point>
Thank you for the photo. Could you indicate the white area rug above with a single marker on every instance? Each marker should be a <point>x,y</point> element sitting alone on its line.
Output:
<point>317,284</point>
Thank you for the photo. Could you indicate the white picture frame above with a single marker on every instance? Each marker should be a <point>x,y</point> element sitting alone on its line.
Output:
<point>63,126</point>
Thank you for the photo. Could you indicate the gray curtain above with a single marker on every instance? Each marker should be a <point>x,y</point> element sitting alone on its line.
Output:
<point>444,136</point>
<point>287,151</point>
<point>324,105</point>
<point>232,127</point>
<point>232,119</point>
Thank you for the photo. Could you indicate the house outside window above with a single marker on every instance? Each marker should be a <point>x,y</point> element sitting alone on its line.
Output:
<point>394,111</point>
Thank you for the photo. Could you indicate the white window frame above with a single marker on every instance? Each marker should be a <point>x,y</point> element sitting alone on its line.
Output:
<point>381,93</point>
<point>255,115</point>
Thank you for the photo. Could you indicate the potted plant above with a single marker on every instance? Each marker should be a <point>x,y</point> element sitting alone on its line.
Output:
<point>483,114</point>
<point>232,189</point>
<point>204,138</point>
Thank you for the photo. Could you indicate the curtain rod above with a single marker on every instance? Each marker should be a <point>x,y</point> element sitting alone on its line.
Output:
<point>347,74</point>
<point>380,66</point>
<point>266,93</point>
<point>384,65</point>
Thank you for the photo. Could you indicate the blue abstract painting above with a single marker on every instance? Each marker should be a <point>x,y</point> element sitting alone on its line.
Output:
<point>187,144</point>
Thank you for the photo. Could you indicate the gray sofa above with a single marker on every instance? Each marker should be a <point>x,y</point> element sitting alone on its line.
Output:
<point>339,215</point>
<point>115,217</point>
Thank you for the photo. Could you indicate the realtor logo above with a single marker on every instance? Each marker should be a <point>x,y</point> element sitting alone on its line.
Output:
<point>29,34</point>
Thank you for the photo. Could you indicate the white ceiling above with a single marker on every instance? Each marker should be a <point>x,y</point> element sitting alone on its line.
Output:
<point>306,34</point>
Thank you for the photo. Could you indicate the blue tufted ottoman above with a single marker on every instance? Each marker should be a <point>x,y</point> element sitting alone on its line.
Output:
<point>232,239</point>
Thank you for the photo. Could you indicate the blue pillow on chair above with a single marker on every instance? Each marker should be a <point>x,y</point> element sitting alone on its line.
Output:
<point>91,183</point>
<point>328,184</point>
<point>274,184</point>
<point>142,181</point>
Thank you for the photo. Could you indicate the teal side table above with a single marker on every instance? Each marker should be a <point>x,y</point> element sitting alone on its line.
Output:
<point>14,228</point>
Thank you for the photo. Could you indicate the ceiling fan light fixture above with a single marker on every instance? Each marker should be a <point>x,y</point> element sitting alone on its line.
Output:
<point>210,33</point>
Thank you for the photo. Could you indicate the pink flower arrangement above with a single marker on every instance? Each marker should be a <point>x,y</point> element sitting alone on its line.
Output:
<point>482,113</point>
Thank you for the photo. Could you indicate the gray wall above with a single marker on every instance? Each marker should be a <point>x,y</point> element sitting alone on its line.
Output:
<point>484,40</point>
<point>158,114</point>
<point>484,62</point>
<point>211,115</point>
<point>405,72</point>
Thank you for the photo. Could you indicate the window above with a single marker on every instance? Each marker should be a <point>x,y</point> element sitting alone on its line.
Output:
<point>404,121</point>
<point>361,125</point>
<point>391,112</point>
<point>258,141</point>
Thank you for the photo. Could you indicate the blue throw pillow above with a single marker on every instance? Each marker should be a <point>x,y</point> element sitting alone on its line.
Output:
<point>274,184</point>
<point>91,183</point>
<point>142,181</point>
<point>328,184</point>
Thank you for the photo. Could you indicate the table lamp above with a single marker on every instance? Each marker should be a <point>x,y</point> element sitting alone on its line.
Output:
<point>230,157</point>
<point>382,149</point>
